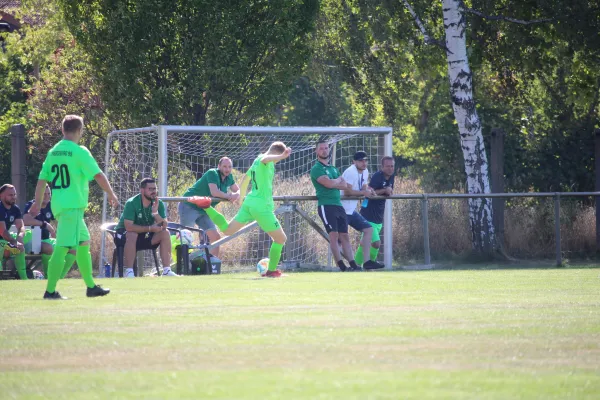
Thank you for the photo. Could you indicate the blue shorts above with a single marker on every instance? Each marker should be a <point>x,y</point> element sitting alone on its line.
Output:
<point>358,222</point>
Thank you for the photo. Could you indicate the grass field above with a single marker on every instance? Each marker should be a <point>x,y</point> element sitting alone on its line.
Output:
<point>468,334</point>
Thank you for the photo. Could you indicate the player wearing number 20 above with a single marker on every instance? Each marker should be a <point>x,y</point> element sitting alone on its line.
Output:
<point>68,168</point>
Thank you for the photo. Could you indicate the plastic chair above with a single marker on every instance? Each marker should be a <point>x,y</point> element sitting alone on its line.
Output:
<point>119,253</point>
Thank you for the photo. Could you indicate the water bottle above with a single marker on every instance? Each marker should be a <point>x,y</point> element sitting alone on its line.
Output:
<point>36,240</point>
<point>107,270</point>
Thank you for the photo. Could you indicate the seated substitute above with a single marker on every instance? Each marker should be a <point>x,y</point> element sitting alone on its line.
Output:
<point>214,183</point>
<point>143,226</point>
<point>43,219</point>
<point>11,244</point>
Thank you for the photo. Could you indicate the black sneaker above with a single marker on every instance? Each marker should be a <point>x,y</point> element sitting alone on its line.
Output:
<point>54,296</point>
<point>354,269</point>
<point>373,265</point>
<point>342,266</point>
<point>97,291</point>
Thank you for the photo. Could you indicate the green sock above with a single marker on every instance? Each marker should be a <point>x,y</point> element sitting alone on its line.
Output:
<point>45,261</point>
<point>55,267</point>
<point>69,260</point>
<point>21,265</point>
<point>84,262</point>
<point>217,218</point>
<point>274,255</point>
<point>358,257</point>
<point>374,252</point>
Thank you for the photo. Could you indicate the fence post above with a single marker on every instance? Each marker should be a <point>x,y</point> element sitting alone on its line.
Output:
<point>18,162</point>
<point>557,228</point>
<point>597,188</point>
<point>425,214</point>
<point>497,178</point>
<point>287,223</point>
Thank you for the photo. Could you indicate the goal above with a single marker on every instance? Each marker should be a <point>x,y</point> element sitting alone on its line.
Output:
<point>178,155</point>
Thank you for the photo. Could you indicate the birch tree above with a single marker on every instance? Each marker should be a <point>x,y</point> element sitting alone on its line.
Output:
<point>469,125</point>
<point>465,113</point>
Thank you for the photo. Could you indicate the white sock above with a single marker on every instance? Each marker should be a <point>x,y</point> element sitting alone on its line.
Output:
<point>166,269</point>
<point>128,270</point>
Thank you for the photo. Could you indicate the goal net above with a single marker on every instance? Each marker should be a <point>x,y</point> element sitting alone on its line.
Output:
<point>177,156</point>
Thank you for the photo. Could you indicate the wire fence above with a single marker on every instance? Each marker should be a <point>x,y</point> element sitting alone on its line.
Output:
<point>536,224</point>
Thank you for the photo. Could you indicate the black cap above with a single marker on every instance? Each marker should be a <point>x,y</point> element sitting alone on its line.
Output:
<point>360,155</point>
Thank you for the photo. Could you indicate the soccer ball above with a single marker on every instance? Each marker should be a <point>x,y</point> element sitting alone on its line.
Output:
<point>185,237</point>
<point>38,275</point>
<point>263,266</point>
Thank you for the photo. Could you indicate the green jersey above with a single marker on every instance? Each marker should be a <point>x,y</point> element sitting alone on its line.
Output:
<point>68,168</point>
<point>261,178</point>
<point>200,188</point>
<point>135,211</point>
<point>325,195</point>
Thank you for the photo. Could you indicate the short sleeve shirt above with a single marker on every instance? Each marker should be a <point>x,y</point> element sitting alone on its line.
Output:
<point>45,215</point>
<point>135,211</point>
<point>357,180</point>
<point>200,188</point>
<point>325,195</point>
<point>68,168</point>
<point>261,180</point>
<point>9,215</point>
<point>371,209</point>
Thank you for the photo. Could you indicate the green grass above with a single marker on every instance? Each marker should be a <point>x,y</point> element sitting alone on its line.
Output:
<point>483,334</point>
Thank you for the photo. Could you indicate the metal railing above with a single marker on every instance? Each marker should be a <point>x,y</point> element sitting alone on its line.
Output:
<point>425,197</point>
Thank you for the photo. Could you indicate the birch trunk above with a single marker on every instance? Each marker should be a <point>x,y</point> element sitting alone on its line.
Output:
<point>469,126</point>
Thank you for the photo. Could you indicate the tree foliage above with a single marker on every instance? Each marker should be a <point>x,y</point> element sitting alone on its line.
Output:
<point>539,82</point>
<point>343,62</point>
<point>194,61</point>
<point>52,78</point>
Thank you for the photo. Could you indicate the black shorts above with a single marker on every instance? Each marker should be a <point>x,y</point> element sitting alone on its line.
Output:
<point>334,218</point>
<point>144,240</point>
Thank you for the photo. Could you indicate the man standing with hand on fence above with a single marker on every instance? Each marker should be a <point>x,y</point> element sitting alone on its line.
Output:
<point>382,182</point>
<point>357,176</point>
<point>327,182</point>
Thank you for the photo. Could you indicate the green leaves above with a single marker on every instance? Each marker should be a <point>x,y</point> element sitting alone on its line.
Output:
<point>194,61</point>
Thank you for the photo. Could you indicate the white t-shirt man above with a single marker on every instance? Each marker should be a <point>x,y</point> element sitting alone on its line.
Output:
<point>357,180</point>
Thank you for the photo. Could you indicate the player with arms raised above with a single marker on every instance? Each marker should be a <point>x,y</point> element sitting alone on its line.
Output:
<point>258,205</point>
<point>68,168</point>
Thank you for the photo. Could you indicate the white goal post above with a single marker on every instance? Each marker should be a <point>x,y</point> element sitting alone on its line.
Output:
<point>176,156</point>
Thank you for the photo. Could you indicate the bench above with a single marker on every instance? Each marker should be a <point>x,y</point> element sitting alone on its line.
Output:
<point>31,260</point>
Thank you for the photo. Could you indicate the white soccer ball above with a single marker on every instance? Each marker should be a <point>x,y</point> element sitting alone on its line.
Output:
<point>185,237</point>
<point>263,266</point>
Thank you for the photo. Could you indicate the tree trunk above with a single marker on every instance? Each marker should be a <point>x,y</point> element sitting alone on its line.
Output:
<point>469,126</point>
